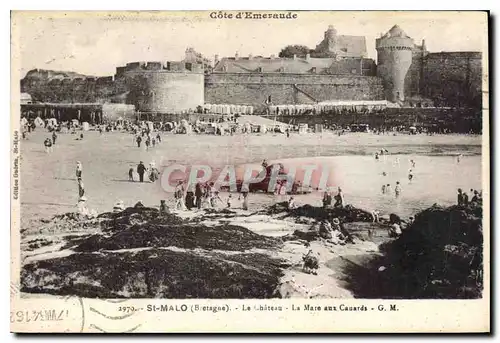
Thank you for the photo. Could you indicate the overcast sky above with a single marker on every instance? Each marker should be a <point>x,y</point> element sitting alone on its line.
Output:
<point>96,45</point>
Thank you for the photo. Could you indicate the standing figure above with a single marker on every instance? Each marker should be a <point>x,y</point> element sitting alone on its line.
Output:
<point>198,193</point>
<point>47,143</point>
<point>141,169</point>
<point>339,199</point>
<point>178,196</point>
<point>81,188</point>
<point>138,140</point>
<point>245,201</point>
<point>410,175</point>
<point>397,189</point>
<point>54,137</point>
<point>79,169</point>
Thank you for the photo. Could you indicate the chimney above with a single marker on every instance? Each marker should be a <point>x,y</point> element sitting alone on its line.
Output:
<point>308,57</point>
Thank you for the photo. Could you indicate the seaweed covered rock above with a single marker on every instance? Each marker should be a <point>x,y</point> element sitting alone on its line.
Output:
<point>118,221</point>
<point>438,256</point>
<point>347,213</point>
<point>189,236</point>
<point>155,273</point>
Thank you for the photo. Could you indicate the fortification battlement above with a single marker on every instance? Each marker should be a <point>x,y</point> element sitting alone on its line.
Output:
<point>156,66</point>
<point>455,54</point>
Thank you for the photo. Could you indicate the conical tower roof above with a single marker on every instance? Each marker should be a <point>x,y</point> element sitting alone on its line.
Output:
<point>396,31</point>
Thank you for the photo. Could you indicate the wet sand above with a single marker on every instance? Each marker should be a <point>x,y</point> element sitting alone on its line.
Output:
<point>49,187</point>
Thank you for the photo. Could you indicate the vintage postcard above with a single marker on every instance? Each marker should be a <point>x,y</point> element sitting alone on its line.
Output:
<point>250,171</point>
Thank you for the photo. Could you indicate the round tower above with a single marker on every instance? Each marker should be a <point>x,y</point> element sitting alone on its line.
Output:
<point>394,57</point>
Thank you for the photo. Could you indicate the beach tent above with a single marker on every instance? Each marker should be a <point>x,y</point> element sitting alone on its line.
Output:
<point>250,110</point>
<point>39,122</point>
<point>302,128</point>
<point>52,122</point>
<point>85,126</point>
<point>263,128</point>
<point>149,125</point>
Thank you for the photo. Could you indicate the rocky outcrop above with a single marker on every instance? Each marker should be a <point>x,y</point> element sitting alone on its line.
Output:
<point>439,256</point>
<point>140,253</point>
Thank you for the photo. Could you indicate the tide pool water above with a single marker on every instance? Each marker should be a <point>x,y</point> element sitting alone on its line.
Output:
<point>435,180</point>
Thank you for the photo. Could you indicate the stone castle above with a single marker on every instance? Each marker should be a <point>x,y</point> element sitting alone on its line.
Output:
<point>405,74</point>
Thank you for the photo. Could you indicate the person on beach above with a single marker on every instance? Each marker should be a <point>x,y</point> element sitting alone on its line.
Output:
<point>412,163</point>
<point>376,156</point>
<point>327,199</point>
<point>397,189</point>
<point>118,206</point>
<point>163,208</point>
<point>384,174</point>
<point>179,196</point>
<point>48,144</point>
<point>138,140</point>
<point>465,199</point>
<point>475,198</point>
<point>339,199</point>
<point>388,188</point>
<point>158,138</point>
<point>54,137</point>
<point>79,169</point>
<point>82,206</point>
<point>190,200</point>
<point>375,216</point>
<point>198,193</point>
<point>460,197</point>
<point>81,188</point>
<point>228,202</point>
<point>410,175</point>
<point>264,163</point>
<point>131,174</point>
<point>291,203</point>
<point>410,221</point>
<point>245,201</point>
<point>384,189</point>
<point>148,142</point>
<point>394,230</point>
<point>153,141</point>
<point>459,157</point>
<point>141,169</point>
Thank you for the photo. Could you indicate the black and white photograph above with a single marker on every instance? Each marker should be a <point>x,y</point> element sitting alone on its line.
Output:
<point>248,155</point>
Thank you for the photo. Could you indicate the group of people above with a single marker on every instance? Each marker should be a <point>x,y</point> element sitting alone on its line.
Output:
<point>339,199</point>
<point>49,142</point>
<point>149,139</point>
<point>152,172</point>
<point>204,195</point>
<point>463,197</point>
<point>334,232</point>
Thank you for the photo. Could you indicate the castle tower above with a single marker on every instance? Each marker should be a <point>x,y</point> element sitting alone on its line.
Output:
<point>394,57</point>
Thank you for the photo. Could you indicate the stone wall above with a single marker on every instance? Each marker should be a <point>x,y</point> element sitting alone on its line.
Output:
<point>253,89</point>
<point>164,91</point>
<point>453,79</point>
